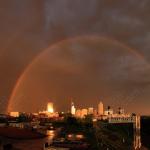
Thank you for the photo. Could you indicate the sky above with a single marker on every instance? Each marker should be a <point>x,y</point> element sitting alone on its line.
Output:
<point>52,50</point>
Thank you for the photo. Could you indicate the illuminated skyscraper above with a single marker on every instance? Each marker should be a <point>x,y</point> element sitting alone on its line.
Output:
<point>50,108</point>
<point>100,108</point>
<point>73,109</point>
<point>84,112</point>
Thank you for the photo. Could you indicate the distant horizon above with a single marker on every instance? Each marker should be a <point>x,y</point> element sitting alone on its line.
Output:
<point>115,109</point>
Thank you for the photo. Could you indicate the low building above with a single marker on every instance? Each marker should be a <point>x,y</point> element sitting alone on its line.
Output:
<point>121,120</point>
<point>84,112</point>
<point>16,124</point>
<point>108,112</point>
<point>90,110</point>
<point>78,113</point>
<point>14,114</point>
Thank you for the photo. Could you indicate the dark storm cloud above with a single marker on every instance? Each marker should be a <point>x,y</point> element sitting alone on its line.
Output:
<point>29,26</point>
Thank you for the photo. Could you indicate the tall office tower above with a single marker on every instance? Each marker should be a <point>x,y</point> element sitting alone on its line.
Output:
<point>100,108</point>
<point>50,108</point>
<point>73,109</point>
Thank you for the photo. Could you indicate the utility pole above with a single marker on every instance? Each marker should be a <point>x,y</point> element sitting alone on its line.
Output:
<point>137,132</point>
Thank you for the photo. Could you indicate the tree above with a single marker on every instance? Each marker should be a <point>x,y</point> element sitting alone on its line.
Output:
<point>22,118</point>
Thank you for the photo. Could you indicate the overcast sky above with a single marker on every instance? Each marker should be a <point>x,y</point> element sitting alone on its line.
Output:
<point>28,27</point>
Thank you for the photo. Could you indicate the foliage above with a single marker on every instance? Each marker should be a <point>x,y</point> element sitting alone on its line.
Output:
<point>22,118</point>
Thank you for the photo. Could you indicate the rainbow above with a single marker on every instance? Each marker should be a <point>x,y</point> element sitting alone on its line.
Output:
<point>93,37</point>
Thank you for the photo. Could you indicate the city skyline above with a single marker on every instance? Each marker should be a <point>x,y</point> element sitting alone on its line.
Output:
<point>100,109</point>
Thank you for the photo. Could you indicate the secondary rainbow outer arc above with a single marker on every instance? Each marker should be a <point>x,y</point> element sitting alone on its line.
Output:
<point>106,39</point>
